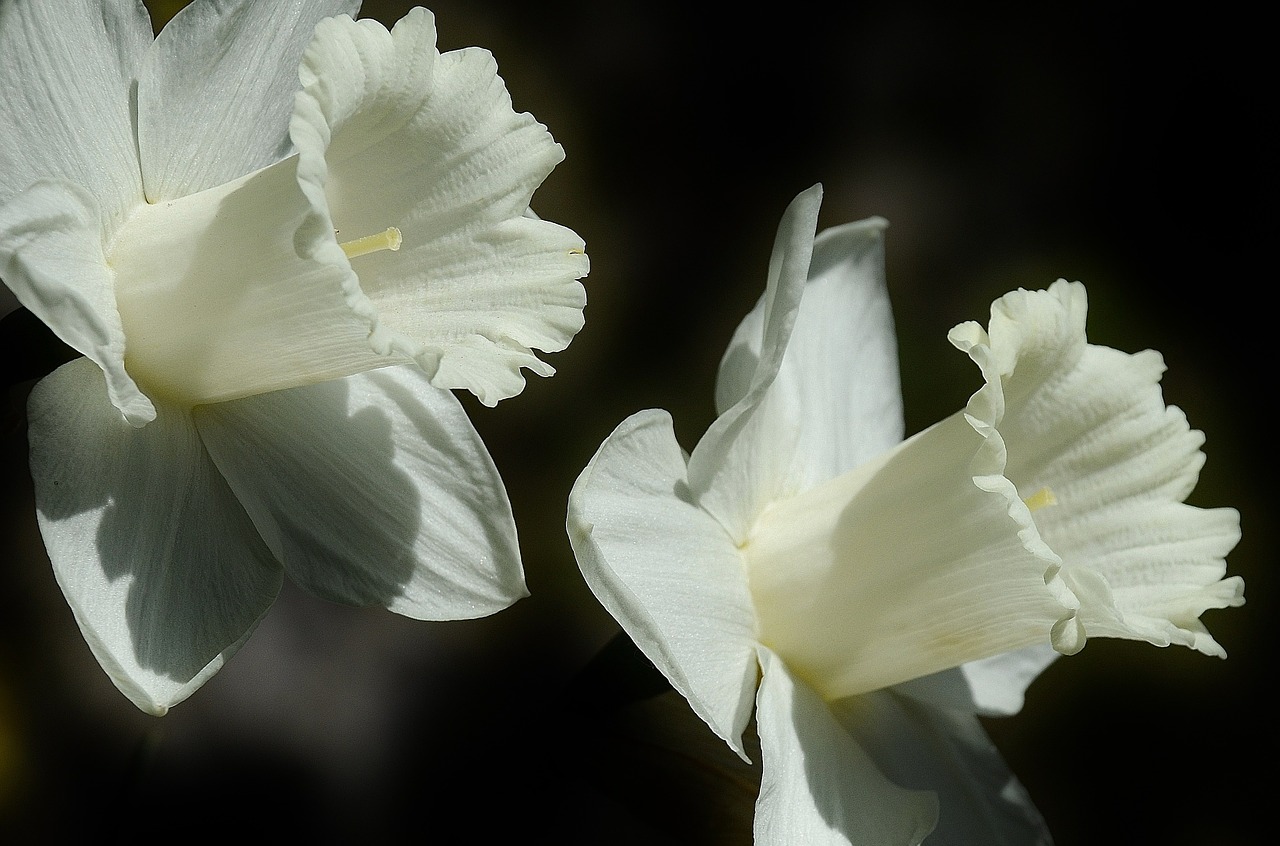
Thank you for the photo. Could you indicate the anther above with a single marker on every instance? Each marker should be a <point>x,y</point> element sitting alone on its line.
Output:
<point>1040,499</point>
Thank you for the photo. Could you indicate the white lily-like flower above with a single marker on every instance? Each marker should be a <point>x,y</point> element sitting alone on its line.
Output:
<point>279,237</point>
<point>876,595</point>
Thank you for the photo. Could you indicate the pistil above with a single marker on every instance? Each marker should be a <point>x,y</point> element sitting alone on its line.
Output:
<point>388,239</point>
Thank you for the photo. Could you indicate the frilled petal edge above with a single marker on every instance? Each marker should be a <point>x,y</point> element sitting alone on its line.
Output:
<point>666,570</point>
<point>1089,425</point>
<point>392,134</point>
<point>373,490</point>
<point>161,566</point>
<point>819,786</point>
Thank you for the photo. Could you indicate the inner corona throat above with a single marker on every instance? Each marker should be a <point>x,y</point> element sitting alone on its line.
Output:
<point>388,239</point>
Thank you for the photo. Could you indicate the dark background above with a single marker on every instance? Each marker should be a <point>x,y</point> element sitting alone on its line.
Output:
<point>1008,149</point>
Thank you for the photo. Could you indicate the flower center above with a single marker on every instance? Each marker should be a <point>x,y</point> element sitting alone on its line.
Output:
<point>388,239</point>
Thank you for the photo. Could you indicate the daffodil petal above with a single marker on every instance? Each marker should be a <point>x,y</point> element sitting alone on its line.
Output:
<point>165,573</point>
<point>839,377</point>
<point>373,490</point>
<point>66,69</point>
<point>991,687</point>
<point>819,786</point>
<point>730,474</point>
<point>999,684</point>
<point>666,570</point>
<point>393,134</point>
<point>216,91</point>
<point>1089,424</point>
<point>949,753</point>
<point>51,258</point>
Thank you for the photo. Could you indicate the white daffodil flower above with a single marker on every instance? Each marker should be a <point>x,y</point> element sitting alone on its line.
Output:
<point>875,595</point>
<point>279,237</point>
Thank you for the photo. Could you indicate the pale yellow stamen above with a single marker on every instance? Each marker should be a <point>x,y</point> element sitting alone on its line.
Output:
<point>389,239</point>
<point>1040,499</point>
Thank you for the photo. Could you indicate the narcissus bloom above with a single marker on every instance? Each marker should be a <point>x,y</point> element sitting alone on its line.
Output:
<point>875,595</point>
<point>279,237</point>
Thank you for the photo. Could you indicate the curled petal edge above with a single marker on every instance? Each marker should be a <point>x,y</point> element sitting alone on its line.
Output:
<point>319,116</point>
<point>984,412</point>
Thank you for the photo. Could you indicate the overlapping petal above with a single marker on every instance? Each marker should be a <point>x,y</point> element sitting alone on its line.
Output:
<point>393,134</point>
<point>992,687</point>
<point>51,258</point>
<point>747,457</point>
<point>666,570</point>
<point>216,91</point>
<point>164,570</point>
<point>66,70</point>
<point>820,787</point>
<point>838,382</point>
<point>405,510</point>
<point>946,752</point>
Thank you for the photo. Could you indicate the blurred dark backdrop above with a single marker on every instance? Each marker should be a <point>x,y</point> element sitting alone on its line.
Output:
<point>1007,149</point>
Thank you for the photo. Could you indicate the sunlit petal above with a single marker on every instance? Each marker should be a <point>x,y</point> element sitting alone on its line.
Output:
<point>71,119</point>
<point>842,361</point>
<point>217,303</point>
<point>839,378</point>
<point>164,571</point>
<point>216,91</point>
<point>1089,424</point>
<point>393,134</point>
<point>747,456</point>
<point>666,570</point>
<point>373,490</point>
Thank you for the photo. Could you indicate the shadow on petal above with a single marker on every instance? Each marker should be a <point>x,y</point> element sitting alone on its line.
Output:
<point>316,472</point>
<point>161,565</point>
